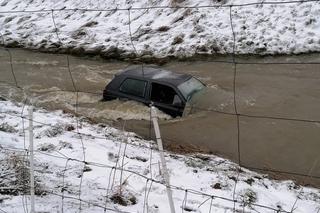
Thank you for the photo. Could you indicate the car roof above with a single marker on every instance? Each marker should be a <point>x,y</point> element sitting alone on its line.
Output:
<point>156,74</point>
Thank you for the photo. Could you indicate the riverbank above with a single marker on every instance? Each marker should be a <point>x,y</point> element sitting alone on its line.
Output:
<point>63,143</point>
<point>159,34</point>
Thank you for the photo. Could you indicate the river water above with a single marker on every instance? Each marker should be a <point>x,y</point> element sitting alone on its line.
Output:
<point>273,90</point>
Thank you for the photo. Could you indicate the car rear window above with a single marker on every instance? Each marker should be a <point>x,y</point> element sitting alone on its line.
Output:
<point>133,87</point>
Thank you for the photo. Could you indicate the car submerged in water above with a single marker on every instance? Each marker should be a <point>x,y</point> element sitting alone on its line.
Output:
<point>166,90</point>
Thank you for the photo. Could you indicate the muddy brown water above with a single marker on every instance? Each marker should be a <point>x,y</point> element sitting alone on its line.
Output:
<point>273,90</point>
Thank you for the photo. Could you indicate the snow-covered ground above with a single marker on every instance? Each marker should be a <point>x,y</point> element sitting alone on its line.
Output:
<point>259,29</point>
<point>62,179</point>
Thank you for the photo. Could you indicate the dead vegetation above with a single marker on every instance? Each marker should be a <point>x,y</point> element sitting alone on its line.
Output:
<point>5,127</point>
<point>15,175</point>
<point>123,197</point>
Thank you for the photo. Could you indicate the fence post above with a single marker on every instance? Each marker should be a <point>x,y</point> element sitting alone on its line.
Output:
<point>163,162</point>
<point>32,210</point>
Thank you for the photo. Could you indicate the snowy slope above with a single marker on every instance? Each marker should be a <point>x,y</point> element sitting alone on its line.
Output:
<point>259,29</point>
<point>103,148</point>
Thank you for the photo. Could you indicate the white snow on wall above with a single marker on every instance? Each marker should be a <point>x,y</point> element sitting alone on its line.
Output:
<point>259,29</point>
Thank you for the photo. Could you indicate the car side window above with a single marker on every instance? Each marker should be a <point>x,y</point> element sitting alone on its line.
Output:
<point>133,87</point>
<point>164,94</point>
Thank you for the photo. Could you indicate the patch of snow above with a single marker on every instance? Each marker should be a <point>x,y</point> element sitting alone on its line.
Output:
<point>58,139</point>
<point>161,32</point>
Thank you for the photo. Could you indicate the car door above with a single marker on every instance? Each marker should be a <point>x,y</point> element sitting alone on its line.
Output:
<point>133,89</point>
<point>166,98</point>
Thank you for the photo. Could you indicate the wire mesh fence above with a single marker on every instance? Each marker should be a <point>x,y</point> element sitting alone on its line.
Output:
<point>242,149</point>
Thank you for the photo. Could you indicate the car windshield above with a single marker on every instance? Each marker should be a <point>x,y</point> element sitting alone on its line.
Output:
<point>189,87</point>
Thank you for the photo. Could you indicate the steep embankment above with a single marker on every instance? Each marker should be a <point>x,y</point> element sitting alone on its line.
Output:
<point>121,172</point>
<point>162,32</point>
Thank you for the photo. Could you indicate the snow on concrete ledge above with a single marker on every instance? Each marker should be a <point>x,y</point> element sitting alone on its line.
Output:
<point>163,32</point>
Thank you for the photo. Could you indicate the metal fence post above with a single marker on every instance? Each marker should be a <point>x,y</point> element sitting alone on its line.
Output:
<point>163,162</point>
<point>32,210</point>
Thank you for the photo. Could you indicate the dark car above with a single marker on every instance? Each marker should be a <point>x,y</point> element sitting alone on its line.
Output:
<point>166,90</point>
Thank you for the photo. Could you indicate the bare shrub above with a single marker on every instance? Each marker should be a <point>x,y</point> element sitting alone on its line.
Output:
<point>15,175</point>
